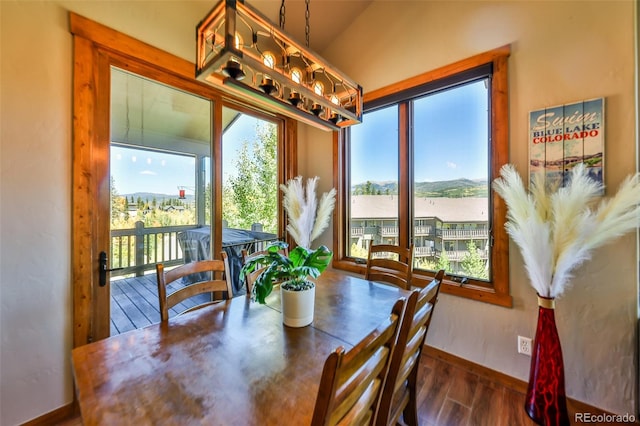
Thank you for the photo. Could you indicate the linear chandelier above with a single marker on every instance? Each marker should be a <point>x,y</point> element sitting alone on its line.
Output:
<point>241,52</point>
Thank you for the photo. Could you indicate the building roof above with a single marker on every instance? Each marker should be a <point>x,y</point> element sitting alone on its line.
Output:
<point>446,209</point>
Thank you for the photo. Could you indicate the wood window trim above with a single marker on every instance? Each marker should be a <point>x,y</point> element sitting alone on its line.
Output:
<point>95,48</point>
<point>499,292</point>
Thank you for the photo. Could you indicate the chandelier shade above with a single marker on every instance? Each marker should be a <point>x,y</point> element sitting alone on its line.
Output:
<point>240,52</point>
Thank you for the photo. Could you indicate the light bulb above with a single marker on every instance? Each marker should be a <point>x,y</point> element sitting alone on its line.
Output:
<point>269,59</point>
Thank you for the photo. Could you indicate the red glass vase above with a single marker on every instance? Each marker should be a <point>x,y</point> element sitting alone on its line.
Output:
<point>546,401</point>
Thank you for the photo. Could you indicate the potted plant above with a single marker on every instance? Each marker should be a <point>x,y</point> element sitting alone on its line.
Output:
<point>307,219</point>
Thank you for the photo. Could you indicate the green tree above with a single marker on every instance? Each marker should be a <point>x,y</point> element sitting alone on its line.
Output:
<point>207,203</point>
<point>118,204</point>
<point>368,188</point>
<point>472,264</point>
<point>358,251</point>
<point>443,262</point>
<point>252,195</point>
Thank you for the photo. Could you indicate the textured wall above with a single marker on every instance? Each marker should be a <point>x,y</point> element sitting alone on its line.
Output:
<point>35,184</point>
<point>561,52</point>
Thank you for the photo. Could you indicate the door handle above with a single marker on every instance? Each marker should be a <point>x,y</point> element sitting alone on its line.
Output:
<point>102,260</point>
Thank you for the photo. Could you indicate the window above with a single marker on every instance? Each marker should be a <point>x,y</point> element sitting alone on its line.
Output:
<point>249,172</point>
<point>97,50</point>
<point>419,169</point>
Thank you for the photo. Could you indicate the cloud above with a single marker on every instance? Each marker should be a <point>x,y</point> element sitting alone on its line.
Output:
<point>452,165</point>
<point>148,172</point>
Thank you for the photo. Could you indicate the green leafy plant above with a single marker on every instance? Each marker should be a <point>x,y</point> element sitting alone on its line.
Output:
<point>292,271</point>
<point>308,218</point>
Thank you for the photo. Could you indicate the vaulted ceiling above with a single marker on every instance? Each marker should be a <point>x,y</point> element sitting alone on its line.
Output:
<point>145,113</point>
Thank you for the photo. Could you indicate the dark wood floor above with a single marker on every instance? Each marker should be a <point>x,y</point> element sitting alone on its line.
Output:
<point>450,395</point>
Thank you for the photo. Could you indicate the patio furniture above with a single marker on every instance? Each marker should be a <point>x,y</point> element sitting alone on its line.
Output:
<point>196,245</point>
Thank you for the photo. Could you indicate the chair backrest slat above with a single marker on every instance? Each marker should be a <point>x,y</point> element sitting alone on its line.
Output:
<point>220,282</point>
<point>390,264</point>
<point>399,397</point>
<point>352,382</point>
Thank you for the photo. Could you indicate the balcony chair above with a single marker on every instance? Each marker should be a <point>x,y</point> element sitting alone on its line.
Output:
<point>249,279</point>
<point>390,264</point>
<point>352,382</point>
<point>399,396</point>
<point>220,282</point>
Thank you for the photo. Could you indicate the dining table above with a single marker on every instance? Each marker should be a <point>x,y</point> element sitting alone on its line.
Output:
<point>231,363</point>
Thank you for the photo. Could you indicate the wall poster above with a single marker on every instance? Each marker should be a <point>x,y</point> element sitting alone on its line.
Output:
<point>561,137</point>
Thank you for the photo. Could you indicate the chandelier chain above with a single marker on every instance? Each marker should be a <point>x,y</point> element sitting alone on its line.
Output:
<point>282,18</point>
<point>306,28</point>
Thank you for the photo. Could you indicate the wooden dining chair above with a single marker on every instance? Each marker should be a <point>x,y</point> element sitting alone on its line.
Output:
<point>399,396</point>
<point>390,264</point>
<point>352,381</point>
<point>250,278</point>
<point>219,281</point>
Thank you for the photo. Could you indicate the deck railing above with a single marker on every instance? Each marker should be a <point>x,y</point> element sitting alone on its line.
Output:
<point>425,252</point>
<point>421,231</point>
<point>465,234</point>
<point>458,255</point>
<point>139,249</point>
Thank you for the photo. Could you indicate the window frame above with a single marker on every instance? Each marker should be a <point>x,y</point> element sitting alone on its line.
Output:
<point>95,49</point>
<point>497,290</point>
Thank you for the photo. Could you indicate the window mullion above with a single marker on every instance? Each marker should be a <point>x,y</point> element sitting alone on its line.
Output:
<point>405,178</point>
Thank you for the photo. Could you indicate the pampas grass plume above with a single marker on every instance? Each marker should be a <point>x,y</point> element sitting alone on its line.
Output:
<point>307,218</point>
<point>557,229</point>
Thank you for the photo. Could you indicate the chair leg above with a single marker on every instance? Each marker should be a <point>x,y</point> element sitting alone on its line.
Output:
<point>410,412</point>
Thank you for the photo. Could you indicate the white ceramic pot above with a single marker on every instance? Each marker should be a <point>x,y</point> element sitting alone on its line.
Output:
<point>297,306</point>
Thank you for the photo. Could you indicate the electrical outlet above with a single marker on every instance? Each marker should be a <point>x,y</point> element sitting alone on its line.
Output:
<point>524,345</point>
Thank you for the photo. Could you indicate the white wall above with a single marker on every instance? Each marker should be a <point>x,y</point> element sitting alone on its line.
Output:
<point>35,184</point>
<point>35,199</point>
<point>561,53</point>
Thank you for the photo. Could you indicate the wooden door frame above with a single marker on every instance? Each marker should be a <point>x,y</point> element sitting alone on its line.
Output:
<point>95,48</point>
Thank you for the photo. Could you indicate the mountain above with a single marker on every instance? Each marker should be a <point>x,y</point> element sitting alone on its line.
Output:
<point>448,188</point>
<point>144,196</point>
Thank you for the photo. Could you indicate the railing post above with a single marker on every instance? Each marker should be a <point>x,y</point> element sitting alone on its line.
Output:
<point>139,242</point>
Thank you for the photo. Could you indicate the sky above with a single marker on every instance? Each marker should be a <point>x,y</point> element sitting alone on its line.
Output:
<point>136,170</point>
<point>450,138</point>
<point>450,143</point>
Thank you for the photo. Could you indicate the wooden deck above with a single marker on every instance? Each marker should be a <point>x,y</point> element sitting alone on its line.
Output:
<point>134,303</point>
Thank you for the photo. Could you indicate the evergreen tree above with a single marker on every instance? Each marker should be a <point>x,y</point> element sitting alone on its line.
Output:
<point>443,262</point>
<point>472,263</point>
<point>118,204</point>
<point>368,188</point>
